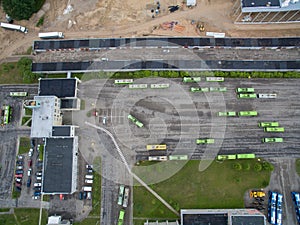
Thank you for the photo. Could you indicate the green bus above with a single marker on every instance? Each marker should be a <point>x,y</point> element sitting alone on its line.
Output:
<point>272,140</point>
<point>226,113</point>
<point>199,89</point>
<point>252,95</point>
<point>7,114</point>
<point>224,157</point>
<point>121,194</point>
<point>124,81</point>
<point>159,86</point>
<point>274,129</point>
<point>248,113</point>
<point>268,124</point>
<point>178,157</point>
<point>134,120</point>
<point>245,156</point>
<point>216,79</point>
<point>217,89</point>
<point>18,94</point>
<point>191,79</point>
<point>245,90</point>
<point>205,141</point>
<point>121,217</point>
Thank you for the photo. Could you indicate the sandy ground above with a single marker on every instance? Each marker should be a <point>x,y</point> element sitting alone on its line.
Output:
<point>130,18</point>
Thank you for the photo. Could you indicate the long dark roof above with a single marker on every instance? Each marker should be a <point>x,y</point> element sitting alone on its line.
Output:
<point>94,44</point>
<point>58,162</point>
<point>260,3</point>
<point>248,220</point>
<point>204,219</point>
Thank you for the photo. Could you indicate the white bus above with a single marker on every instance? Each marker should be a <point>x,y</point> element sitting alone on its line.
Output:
<point>51,35</point>
<point>267,95</point>
<point>14,27</point>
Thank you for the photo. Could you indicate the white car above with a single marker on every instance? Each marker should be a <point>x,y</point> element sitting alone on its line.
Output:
<point>19,167</point>
<point>39,178</point>
<point>18,180</point>
<point>29,172</point>
<point>20,157</point>
<point>37,185</point>
<point>38,173</point>
<point>30,153</point>
<point>35,197</point>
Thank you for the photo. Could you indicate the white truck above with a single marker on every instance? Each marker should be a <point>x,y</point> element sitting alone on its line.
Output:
<point>14,27</point>
<point>48,35</point>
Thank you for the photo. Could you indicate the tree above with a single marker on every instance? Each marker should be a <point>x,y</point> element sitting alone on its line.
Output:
<point>20,10</point>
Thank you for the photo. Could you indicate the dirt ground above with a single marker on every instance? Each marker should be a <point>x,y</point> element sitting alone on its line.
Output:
<point>131,18</point>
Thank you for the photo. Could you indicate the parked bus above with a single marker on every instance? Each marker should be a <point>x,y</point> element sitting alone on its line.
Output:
<point>205,141</point>
<point>217,79</point>
<point>18,94</point>
<point>7,114</point>
<point>156,147</point>
<point>245,156</point>
<point>178,157</point>
<point>121,217</point>
<point>226,113</point>
<point>157,158</point>
<point>217,89</point>
<point>14,27</point>
<point>272,140</point>
<point>279,209</point>
<point>247,96</point>
<point>268,124</point>
<point>134,120</point>
<point>191,79</point>
<point>49,35</point>
<point>159,86</point>
<point>274,129</point>
<point>248,113</point>
<point>121,194</point>
<point>124,81</point>
<point>126,197</point>
<point>224,157</point>
<point>205,89</point>
<point>267,95</point>
<point>272,208</point>
<point>138,86</point>
<point>245,90</point>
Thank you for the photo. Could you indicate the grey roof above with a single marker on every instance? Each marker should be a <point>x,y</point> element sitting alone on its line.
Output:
<point>68,103</point>
<point>58,165</point>
<point>42,117</point>
<point>63,131</point>
<point>204,219</point>
<point>61,88</point>
<point>248,220</point>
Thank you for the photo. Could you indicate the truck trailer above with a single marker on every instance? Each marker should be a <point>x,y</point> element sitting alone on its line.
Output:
<point>49,35</point>
<point>14,27</point>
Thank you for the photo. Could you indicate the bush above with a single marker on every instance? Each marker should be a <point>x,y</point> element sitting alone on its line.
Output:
<point>237,166</point>
<point>24,65</point>
<point>21,10</point>
<point>247,166</point>
<point>40,22</point>
<point>267,166</point>
<point>257,167</point>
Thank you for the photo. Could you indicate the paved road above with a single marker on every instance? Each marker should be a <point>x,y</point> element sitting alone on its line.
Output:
<point>177,117</point>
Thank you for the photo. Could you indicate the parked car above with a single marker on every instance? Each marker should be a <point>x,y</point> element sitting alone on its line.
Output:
<point>29,172</point>
<point>35,197</point>
<point>18,175</point>
<point>18,189</point>
<point>18,180</point>
<point>39,178</point>
<point>19,162</point>
<point>30,163</point>
<point>84,194</point>
<point>28,182</point>
<point>38,173</point>
<point>89,195</point>
<point>37,188</point>
<point>20,157</point>
<point>80,195</point>
<point>32,143</point>
<point>30,153</point>
<point>19,167</point>
<point>37,185</point>
<point>37,193</point>
<point>19,171</point>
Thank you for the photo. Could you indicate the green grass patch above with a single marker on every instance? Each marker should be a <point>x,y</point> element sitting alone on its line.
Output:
<point>57,75</point>
<point>219,186</point>
<point>96,194</point>
<point>41,152</point>
<point>4,209</point>
<point>30,216</point>
<point>82,104</point>
<point>24,145</point>
<point>298,166</point>
<point>28,112</point>
<point>7,219</point>
<point>25,119</point>
<point>46,198</point>
<point>40,22</point>
<point>88,221</point>
<point>15,194</point>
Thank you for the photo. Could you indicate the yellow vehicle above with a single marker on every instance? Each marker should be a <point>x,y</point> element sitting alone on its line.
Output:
<point>257,194</point>
<point>156,147</point>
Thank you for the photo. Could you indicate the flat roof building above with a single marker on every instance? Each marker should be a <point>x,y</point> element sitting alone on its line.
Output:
<point>60,165</point>
<point>222,217</point>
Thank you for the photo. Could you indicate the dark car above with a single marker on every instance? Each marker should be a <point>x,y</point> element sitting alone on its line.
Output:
<point>30,163</point>
<point>19,163</point>
<point>173,8</point>
<point>84,194</point>
<point>18,189</point>
<point>37,188</point>
<point>19,171</point>
<point>80,195</point>
<point>37,193</point>
<point>28,182</point>
<point>32,143</point>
